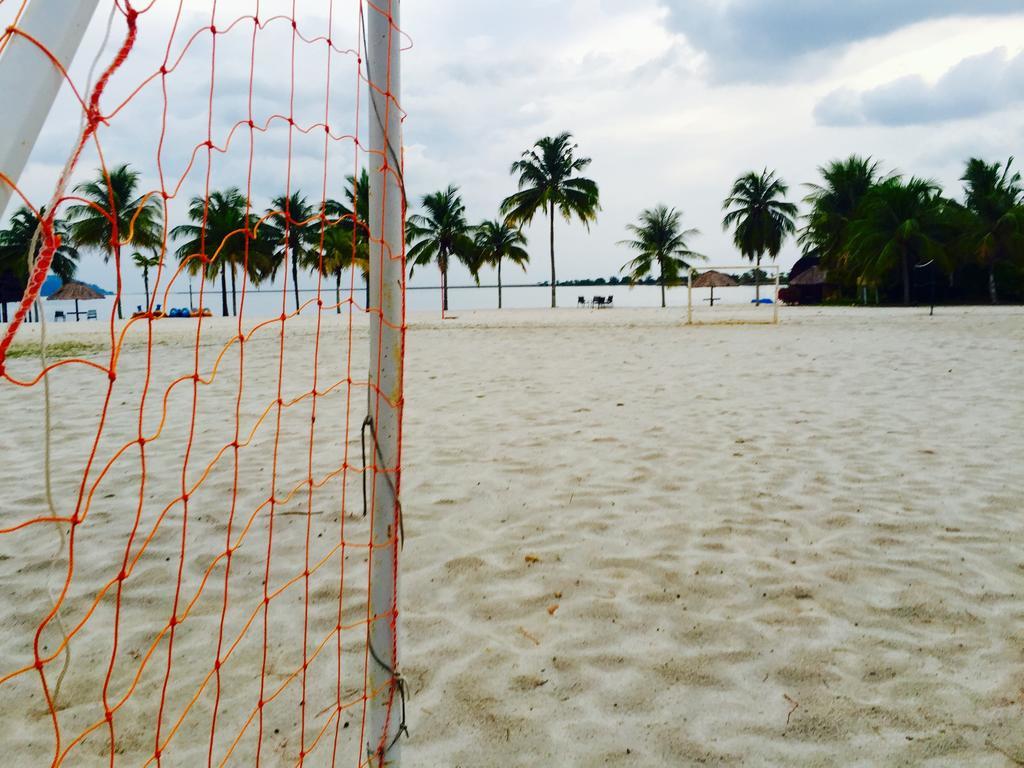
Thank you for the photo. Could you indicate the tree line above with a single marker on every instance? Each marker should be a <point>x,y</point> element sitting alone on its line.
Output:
<point>865,227</point>
<point>225,236</point>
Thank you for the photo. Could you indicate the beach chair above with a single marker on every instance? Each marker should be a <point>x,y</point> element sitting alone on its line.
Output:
<point>59,315</point>
<point>609,301</point>
<point>597,302</point>
<point>581,302</point>
<point>92,315</point>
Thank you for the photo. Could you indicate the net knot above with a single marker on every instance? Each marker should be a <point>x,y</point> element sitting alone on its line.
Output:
<point>213,29</point>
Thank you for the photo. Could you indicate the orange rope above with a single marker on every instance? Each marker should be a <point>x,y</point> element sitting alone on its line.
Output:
<point>150,684</point>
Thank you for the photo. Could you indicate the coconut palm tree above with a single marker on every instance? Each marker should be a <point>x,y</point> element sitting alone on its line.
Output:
<point>497,241</point>
<point>347,243</point>
<point>834,204</point>
<point>757,210</point>
<point>900,224</point>
<point>221,237</point>
<point>660,240</point>
<point>16,244</point>
<point>439,235</point>
<point>113,214</point>
<point>995,198</point>
<point>549,181</point>
<point>146,263</point>
<point>294,226</point>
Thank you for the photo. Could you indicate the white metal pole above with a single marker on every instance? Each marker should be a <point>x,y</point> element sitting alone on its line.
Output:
<point>689,298</point>
<point>30,81</point>
<point>385,717</point>
<point>775,319</point>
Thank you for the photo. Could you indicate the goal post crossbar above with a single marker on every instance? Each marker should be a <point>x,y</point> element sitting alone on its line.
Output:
<point>767,268</point>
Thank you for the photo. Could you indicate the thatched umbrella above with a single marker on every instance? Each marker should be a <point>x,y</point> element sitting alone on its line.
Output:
<point>76,292</point>
<point>712,279</point>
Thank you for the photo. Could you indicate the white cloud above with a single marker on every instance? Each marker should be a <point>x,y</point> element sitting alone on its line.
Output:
<point>975,87</point>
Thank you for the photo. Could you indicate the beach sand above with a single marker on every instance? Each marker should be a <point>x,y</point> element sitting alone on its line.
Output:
<point>629,543</point>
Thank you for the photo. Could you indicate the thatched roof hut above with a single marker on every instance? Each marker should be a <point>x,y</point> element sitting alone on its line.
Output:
<point>813,276</point>
<point>713,279</point>
<point>76,291</point>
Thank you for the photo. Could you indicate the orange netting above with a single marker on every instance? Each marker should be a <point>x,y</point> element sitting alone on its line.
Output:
<point>185,538</point>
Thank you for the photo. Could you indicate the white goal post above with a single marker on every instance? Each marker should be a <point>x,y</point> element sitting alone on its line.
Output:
<point>762,316</point>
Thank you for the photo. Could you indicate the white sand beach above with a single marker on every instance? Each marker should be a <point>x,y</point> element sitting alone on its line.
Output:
<point>629,543</point>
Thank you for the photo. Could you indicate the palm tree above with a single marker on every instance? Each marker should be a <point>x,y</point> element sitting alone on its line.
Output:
<point>16,244</point>
<point>294,227</point>
<point>660,239</point>
<point>995,198</point>
<point>341,253</point>
<point>347,242</point>
<point>146,263</point>
<point>113,215</point>
<point>499,241</point>
<point>761,217</point>
<point>833,205</point>
<point>439,235</point>
<point>901,224</point>
<point>221,237</point>
<point>548,180</point>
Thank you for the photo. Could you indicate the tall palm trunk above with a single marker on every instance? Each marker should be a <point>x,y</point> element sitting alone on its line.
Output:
<point>295,283</point>
<point>117,262</point>
<point>234,292</point>
<point>224,291</point>
<point>499,282</point>
<point>145,283</point>
<point>337,290</point>
<point>444,289</point>
<point>554,282</point>
<point>993,295</point>
<point>661,280</point>
<point>3,311</point>
<point>757,281</point>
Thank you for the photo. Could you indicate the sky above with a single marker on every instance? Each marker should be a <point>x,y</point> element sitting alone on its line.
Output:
<point>672,100</point>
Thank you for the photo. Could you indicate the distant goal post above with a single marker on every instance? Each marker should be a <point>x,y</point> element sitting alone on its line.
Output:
<point>733,295</point>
